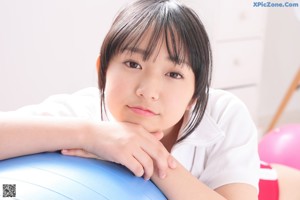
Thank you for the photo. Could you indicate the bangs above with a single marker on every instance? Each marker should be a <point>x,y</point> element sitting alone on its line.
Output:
<point>157,26</point>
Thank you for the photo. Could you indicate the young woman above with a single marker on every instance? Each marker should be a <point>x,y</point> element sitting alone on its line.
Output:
<point>154,112</point>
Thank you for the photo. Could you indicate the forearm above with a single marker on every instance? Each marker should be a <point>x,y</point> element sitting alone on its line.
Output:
<point>180,184</point>
<point>21,136</point>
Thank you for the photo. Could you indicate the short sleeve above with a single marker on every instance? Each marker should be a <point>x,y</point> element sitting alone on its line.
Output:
<point>234,159</point>
<point>82,104</point>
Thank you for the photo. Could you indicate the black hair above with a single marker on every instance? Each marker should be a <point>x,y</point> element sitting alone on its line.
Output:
<point>185,37</point>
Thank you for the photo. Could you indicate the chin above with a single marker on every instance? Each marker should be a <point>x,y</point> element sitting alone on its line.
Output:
<point>148,127</point>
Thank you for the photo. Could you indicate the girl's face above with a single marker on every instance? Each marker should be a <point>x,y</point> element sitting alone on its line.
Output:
<point>154,93</point>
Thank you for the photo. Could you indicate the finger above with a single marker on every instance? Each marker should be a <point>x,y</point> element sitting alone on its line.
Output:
<point>133,165</point>
<point>158,135</point>
<point>146,161</point>
<point>172,162</point>
<point>159,154</point>
<point>78,152</point>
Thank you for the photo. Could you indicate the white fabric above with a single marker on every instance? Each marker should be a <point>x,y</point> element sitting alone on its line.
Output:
<point>267,173</point>
<point>222,149</point>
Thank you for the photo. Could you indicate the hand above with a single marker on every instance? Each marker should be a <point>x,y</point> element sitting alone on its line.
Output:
<point>127,144</point>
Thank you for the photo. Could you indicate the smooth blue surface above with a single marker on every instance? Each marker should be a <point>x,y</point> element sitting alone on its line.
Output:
<point>54,176</point>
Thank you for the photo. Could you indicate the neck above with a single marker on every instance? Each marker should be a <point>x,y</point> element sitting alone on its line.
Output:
<point>171,135</point>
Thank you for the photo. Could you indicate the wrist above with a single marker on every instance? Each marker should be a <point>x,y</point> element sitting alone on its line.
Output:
<point>83,135</point>
<point>88,134</point>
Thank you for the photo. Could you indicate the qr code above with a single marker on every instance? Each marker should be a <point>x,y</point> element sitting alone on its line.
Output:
<point>9,190</point>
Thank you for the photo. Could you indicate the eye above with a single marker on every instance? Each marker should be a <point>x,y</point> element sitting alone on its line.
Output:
<point>132,64</point>
<point>175,75</point>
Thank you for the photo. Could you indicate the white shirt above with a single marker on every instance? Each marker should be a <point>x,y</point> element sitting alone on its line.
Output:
<point>221,150</point>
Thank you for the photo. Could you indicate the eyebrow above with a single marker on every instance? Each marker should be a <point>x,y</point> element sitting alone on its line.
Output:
<point>143,53</point>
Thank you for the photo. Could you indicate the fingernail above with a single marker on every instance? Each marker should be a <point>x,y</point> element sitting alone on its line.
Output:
<point>173,164</point>
<point>162,175</point>
<point>141,173</point>
<point>64,151</point>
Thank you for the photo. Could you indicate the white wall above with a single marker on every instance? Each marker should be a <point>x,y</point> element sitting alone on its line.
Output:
<point>49,47</point>
<point>281,57</point>
<point>281,62</point>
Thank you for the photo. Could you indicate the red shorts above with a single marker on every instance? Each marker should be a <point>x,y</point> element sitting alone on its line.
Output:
<point>268,183</point>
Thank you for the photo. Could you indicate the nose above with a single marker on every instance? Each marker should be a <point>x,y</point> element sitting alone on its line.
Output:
<point>149,89</point>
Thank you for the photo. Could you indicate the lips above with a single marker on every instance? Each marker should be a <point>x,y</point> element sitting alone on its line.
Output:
<point>142,111</point>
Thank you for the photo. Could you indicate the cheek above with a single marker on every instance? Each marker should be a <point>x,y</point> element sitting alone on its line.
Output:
<point>114,92</point>
<point>116,83</point>
<point>180,97</point>
<point>176,107</point>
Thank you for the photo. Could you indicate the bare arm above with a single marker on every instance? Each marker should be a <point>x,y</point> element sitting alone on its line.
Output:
<point>21,136</point>
<point>180,184</point>
<point>128,144</point>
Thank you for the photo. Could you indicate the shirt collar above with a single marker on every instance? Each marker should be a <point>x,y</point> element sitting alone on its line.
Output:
<point>206,133</point>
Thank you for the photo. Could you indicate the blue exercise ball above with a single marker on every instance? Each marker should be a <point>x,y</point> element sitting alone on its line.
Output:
<point>55,176</point>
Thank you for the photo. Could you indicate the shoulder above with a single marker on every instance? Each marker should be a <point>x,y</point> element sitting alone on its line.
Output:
<point>225,114</point>
<point>227,111</point>
<point>84,103</point>
<point>230,116</point>
<point>227,139</point>
<point>223,103</point>
<point>238,146</point>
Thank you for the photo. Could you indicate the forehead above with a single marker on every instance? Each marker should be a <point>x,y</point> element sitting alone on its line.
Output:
<point>151,41</point>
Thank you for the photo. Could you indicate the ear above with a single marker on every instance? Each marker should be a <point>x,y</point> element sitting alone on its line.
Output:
<point>98,64</point>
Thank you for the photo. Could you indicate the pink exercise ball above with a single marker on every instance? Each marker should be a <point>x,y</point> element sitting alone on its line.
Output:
<point>282,146</point>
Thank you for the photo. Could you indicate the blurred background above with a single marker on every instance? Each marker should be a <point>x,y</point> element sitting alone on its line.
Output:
<point>51,46</point>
